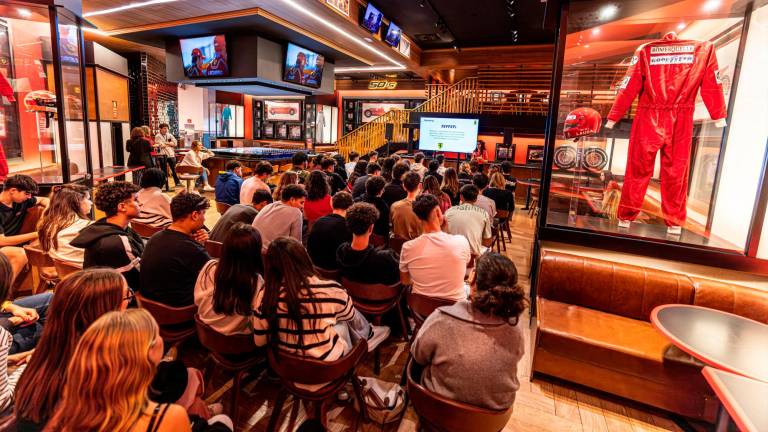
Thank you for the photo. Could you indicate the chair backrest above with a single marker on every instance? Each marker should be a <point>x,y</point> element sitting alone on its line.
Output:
<point>213,248</point>
<point>167,315</point>
<point>396,243</point>
<point>31,218</point>
<point>736,299</point>
<point>450,415</point>
<point>222,207</point>
<point>422,306</point>
<point>218,343</point>
<point>188,169</point>
<point>372,293</point>
<point>329,274</point>
<point>307,370</point>
<point>502,215</point>
<point>65,268</point>
<point>37,258</point>
<point>144,230</point>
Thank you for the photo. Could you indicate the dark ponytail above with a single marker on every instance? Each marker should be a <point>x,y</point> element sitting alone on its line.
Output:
<point>497,291</point>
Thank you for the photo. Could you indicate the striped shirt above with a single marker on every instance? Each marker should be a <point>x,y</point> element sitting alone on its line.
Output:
<point>7,382</point>
<point>328,305</point>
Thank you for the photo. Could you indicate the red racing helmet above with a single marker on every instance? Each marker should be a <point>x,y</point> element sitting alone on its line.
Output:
<point>197,52</point>
<point>581,122</point>
<point>40,100</point>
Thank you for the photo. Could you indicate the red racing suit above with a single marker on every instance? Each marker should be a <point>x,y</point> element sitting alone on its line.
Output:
<point>667,74</point>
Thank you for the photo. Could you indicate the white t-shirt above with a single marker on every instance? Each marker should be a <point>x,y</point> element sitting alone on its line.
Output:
<point>350,167</point>
<point>437,263</point>
<point>471,222</point>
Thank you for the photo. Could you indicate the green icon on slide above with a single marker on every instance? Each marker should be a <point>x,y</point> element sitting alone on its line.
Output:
<point>439,146</point>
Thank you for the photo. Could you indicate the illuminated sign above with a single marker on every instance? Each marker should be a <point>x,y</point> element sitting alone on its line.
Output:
<point>382,85</point>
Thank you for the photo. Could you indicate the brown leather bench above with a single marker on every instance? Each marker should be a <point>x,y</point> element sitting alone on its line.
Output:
<point>593,329</point>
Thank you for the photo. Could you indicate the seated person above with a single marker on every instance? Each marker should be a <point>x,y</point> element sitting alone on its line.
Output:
<point>7,380</point>
<point>506,171</point>
<point>16,199</point>
<point>229,289</point>
<point>329,232</point>
<point>155,205</point>
<point>194,158</point>
<point>480,181</point>
<point>173,257</point>
<point>228,184</point>
<point>470,350</point>
<point>434,165</point>
<point>405,223</point>
<point>435,262</point>
<point>498,192</point>
<point>374,187</point>
<point>394,190</point>
<point>470,221</point>
<point>318,202</point>
<point>283,218</point>
<point>240,213</point>
<point>418,165</point>
<point>68,213</point>
<point>337,183</point>
<point>358,260</point>
<point>110,242</point>
<point>371,170</point>
<point>256,182</point>
<point>299,162</point>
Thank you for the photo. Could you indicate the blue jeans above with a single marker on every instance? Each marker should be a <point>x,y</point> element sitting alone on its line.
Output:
<point>25,337</point>
<point>353,330</point>
<point>203,179</point>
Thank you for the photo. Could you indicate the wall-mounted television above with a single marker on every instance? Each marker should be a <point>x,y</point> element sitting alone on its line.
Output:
<point>303,67</point>
<point>372,19</point>
<point>205,56</point>
<point>450,134</point>
<point>392,36</point>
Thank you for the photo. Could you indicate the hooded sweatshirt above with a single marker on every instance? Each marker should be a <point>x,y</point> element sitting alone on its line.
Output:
<point>228,188</point>
<point>108,245</point>
<point>368,266</point>
<point>469,356</point>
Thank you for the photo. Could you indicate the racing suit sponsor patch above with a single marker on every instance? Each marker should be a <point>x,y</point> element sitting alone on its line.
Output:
<point>674,49</point>
<point>671,59</point>
<point>718,78</point>
<point>633,61</point>
<point>624,83</point>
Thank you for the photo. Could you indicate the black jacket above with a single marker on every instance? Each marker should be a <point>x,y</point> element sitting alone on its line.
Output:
<point>369,266</point>
<point>381,226</point>
<point>140,151</point>
<point>108,245</point>
<point>394,192</point>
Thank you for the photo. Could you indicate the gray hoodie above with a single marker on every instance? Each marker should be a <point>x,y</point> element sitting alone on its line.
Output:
<point>469,356</point>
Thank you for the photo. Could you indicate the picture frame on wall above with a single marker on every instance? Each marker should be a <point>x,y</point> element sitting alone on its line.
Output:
<point>294,132</point>
<point>282,110</point>
<point>269,130</point>
<point>505,152</point>
<point>534,155</point>
<point>281,131</point>
<point>341,6</point>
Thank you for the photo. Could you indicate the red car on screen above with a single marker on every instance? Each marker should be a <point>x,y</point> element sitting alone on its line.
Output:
<point>282,110</point>
<point>374,112</point>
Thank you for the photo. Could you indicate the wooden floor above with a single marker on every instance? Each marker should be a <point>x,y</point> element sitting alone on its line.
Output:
<point>541,404</point>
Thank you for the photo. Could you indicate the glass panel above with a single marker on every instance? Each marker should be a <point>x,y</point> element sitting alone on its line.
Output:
<point>71,68</point>
<point>638,148</point>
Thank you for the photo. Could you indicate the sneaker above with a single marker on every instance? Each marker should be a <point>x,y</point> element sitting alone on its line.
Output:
<point>378,335</point>
<point>624,223</point>
<point>207,188</point>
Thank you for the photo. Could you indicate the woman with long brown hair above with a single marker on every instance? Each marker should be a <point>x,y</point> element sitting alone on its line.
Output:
<point>431,186</point>
<point>140,152</point>
<point>451,185</point>
<point>80,299</point>
<point>287,178</point>
<point>62,221</point>
<point>108,379</point>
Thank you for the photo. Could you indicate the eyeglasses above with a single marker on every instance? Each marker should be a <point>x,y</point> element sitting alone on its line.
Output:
<point>130,296</point>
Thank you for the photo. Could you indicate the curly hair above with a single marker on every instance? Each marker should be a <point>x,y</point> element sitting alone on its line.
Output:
<point>186,203</point>
<point>109,195</point>
<point>424,204</point>
<point>360,217</point>
<point>341,200</point>
<point>497,291</point>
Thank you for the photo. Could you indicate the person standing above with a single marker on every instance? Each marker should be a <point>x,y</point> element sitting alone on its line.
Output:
<point>139,153</point>
<point>166,145</point>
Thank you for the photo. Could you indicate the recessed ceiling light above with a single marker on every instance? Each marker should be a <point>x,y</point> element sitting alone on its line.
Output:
<point>367,69</point>
<point>24,13</point>
<point>607,12</point>
<point>125,7</point>
<point>681,26</point>
<point>711,5</point>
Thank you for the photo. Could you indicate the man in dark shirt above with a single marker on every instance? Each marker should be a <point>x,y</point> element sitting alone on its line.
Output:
<point>329,232</point>
<point>173,257</point>
<point>335,181</point>
<point>373,170</point>
<point>16,199</point>
<point>374,187</point>
<point>394,190</point>
<point>434,165</point>
<point>240,213</point>
<point>358,260</point>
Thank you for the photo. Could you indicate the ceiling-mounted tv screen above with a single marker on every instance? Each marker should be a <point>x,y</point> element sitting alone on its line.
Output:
<point>372,19</point>
<point>205,56</point>
<point>303,67</point>
<point>393,35</point>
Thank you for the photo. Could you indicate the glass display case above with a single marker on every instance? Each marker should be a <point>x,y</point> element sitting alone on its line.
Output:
<point>321,123</point>
<point>659,129</point>
<point>226,120</point>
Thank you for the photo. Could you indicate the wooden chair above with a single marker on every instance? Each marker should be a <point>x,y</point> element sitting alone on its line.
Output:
<point>233,353</point>
<point>534,204</point>
<point>502,217</point>
<point>189,175</point>
<point>396,243</point>
<point>374,300</point>
<point>222,207</point>
<point>213,248</point>
<point>65,268</point>
<point>177,324</point>
<point>440,414</point>
<point>421,307</point>
<point>335,374</point>
<point>46,270</point>
<point>329,274</point>
<point>144,230</point>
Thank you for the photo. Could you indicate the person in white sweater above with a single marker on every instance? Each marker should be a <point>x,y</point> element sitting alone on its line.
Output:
<point>195,157</point>
<point>67,214</point>
<point>154,204</point>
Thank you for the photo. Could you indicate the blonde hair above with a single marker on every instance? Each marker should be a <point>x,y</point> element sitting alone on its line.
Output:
<point>147,130</point>
<point>197,145</point>
<point>109,375</point>
<point>498,180</point>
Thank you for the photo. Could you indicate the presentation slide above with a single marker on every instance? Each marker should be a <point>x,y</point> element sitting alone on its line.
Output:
<point>448,134</point>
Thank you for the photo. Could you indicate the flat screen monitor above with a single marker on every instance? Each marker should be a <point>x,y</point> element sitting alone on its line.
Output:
<point>393,35</point>
<point>372,19</point>
<point>449,134</point>
<point>303,67</point>
<point>205,56</point>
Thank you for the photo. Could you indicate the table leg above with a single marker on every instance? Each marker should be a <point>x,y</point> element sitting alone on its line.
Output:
<point>527,198</point>
<point>723,420</point>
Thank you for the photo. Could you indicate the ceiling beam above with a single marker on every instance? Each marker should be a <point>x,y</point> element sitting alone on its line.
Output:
<point>440,59</point>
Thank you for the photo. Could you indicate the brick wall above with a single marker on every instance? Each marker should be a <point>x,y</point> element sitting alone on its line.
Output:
<point>153,99</point>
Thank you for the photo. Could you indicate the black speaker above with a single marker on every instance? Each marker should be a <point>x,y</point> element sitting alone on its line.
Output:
<point>389,131</point>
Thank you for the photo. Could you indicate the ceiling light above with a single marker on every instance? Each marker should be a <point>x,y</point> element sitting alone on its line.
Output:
<point>339,30</point>
<point>711,5</point>
<point>367,69</point>
<point>125,7</point>
<point>607,12</point>
<point>24,13</point>
<point>596,31</point>
<point>95,31</point>
<point>681,26</point>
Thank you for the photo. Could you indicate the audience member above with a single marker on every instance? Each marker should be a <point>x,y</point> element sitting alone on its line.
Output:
<point>255,182</point>
<point>465,173</point>
<point>359,260</point>
<point>155,206</point>
<point>374,188</point>
<point>502,198</point>
<point>470,350</point>
<point>394,190</point>
<point>506,170</point>
<point>418,165</point>
<point>340,168</point>
<point>451,185</point>
<point>434,165</point>
<point>229,289</point>
<point>299,162</point>
<point>357,172</point>
<point>405,223</point>
<point>349,167</point>
<point>440,164</point>
<point>372,170</point>
<point>68,213</point>
<point>435,262</point>
<point>318,197</point>
<point>173,257</point>
<point>110,242</point>
<point>98,396</point>
<point>474,167</point>
<point>287,178</point>
<point>335,180</point>
<point>80,299</point>
<point>240,213</point>
<point>7,381</point>
<point>17,197</point>
<point>329,232</point>
<point>166,145</point>
<point>194,158</point>
<point>228,184</point>
<point>480,181</point>
<point>282,218</point>
<point>373,156</point>
<point>432,186</point>
<point>470,221</point>
<point>317,162</point>
<point>139,152</point>
<point>387,164</point>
